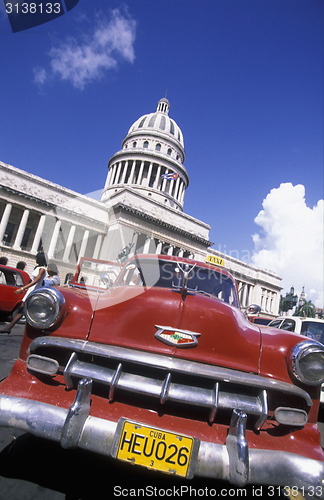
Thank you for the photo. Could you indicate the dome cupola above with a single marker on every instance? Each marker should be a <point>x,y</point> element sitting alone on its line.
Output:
<point>151,160</point>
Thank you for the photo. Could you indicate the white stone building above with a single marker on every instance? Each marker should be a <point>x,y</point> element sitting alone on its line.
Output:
<point>141,210</point>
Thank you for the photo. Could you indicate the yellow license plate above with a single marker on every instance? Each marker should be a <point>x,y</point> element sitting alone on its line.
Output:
<point>155,448</point>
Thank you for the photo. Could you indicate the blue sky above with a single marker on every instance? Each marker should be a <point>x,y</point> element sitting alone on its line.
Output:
<point>245,83</point>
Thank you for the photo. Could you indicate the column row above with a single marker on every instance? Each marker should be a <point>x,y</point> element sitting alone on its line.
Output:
<point>147,174</point>
<point>245,293</point>
<point>148,244</point>
<point>24,229</point>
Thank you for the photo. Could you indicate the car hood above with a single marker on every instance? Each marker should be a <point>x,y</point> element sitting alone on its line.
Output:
<point>131,316</point>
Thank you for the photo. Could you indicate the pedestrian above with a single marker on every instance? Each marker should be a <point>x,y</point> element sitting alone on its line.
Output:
<point>21,265</point>
<point>52,278</point>
<point>3,260</point>
<point>38,275</point>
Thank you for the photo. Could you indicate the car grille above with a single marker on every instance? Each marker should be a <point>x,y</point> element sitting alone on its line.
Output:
<point>167,384</point>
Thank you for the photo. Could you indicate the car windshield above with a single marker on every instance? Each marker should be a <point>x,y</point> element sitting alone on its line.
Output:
<point>314,330</point>
<point>96,274</point>
<point>176,275</point>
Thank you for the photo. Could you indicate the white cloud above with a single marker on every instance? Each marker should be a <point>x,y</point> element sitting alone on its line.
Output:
<point>290,241</point>
<point>40,76</point>
<point>86,58</point>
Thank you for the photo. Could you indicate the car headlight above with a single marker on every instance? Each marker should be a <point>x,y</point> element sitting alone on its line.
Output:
<point>307,362</point>
<point>44,307</point>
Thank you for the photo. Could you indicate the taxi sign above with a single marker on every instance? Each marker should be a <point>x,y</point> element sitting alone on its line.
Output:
<point>216,261</point>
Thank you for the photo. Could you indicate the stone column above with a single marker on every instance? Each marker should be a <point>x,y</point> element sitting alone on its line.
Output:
<point>176,190</point>
<point>170,250</point>
<point>122,180</point>
<point>149,173</point>
<point>113,175</point>
<point>140,174</point>
<point>97,247</point>
<point>147,244</point>
<point>182,192</point>
<point>52,245</point>
<point>69,242</point>
<point>21,230</point>
<point>164,182</point>
<point>83,244</point>
<point>159,247</point>
<point>131,175</point>
<point>4,220</point>
<point>118,172</point>
<point>157,178</point>
<point>38,234</point>
<point>110,175</point>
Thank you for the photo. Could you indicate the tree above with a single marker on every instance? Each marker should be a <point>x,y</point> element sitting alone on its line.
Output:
<point>307,310</point>
<point>288,302</point>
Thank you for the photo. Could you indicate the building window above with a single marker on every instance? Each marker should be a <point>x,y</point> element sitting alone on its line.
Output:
<point>145,144</point>
<point>134,144</point>
<point>169,151</point>
<point>158,147</point>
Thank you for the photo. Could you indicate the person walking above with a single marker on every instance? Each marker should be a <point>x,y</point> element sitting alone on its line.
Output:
<point>38,276</point>
<point>52,278</point>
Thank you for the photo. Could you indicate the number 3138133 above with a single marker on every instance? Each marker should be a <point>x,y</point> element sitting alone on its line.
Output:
<point>33,8</point>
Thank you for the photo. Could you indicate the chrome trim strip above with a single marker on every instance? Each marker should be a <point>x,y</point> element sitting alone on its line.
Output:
<point>237,448</point>
<point>172,364</point>
<point>215,404</point>
<point>67,370</point>
<point>264,411</point>
<point>273,467</point>
<point>165,390</point>
<point>77,415</point>
<point>114,382</point>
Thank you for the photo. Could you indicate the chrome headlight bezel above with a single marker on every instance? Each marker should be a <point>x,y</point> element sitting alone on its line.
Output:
<point>298,362</point>
<point>50,303</point>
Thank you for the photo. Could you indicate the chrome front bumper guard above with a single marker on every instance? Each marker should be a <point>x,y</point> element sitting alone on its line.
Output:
<point>233,462</point>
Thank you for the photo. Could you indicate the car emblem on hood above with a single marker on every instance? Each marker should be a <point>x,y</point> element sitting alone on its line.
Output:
<point>178,338</point>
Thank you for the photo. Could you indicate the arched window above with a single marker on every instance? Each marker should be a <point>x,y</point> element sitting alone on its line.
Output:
<point>169,151</point>
<point>145,144</point>
<point>134,144</point>
<point>158,147</point>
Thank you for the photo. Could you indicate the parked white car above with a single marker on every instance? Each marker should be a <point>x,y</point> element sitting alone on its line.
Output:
<point>311,327</point>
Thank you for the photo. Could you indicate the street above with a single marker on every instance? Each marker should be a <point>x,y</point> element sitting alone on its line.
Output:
<point>36,469</point>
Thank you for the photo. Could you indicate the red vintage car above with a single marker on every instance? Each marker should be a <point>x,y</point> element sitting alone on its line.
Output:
<point>155,365</point>
<point>10,280</point>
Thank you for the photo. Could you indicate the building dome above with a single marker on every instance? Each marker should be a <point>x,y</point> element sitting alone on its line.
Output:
<point>150,162</point>
<point>158,122</point>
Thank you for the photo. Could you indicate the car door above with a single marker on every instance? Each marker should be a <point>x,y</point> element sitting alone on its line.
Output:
<point>7,288</point>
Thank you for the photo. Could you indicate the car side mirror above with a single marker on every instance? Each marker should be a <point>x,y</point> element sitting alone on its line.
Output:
<point>253,309</point>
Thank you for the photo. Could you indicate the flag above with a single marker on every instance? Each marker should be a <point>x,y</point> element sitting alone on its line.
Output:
<point>170,176</point>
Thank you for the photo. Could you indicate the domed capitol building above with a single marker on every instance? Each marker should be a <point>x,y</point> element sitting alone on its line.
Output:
<point>140,211</point>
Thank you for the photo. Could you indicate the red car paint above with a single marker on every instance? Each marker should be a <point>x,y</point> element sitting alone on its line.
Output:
<point>11,279</point>
<point>101,325</point>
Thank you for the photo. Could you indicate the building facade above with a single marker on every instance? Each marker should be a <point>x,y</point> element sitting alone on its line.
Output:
<point>140,210</point>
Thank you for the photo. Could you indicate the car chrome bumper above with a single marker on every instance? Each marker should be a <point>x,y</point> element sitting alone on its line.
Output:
<point>233,462</point>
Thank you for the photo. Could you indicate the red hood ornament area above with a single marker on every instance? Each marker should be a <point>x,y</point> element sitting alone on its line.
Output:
<point>175,337</point>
